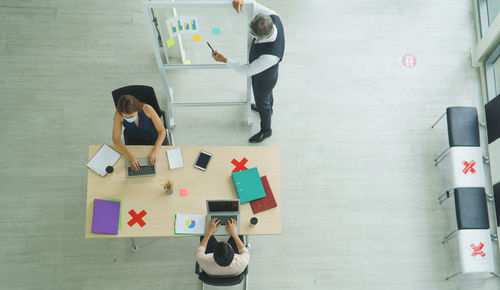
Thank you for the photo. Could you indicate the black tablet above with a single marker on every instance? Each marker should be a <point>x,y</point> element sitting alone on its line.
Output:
<point>202,160</point>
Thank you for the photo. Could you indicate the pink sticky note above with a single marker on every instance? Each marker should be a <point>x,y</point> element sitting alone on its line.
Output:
<point>183,192</point>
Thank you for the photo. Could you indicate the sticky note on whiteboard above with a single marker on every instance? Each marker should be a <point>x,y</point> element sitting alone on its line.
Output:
<point>170,42</point>
<point>196,37</point>
<point>183,192</point>
<point>215,30</point>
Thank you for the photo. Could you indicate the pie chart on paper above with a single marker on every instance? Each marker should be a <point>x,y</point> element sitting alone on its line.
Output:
<point>190,224</point>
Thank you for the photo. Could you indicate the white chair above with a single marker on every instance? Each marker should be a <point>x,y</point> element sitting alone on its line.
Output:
<point>473,231</point>
<point>466,169</point>
<point>475,252</point>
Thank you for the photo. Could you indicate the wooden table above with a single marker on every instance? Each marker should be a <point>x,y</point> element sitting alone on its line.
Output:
<point>147,193</point>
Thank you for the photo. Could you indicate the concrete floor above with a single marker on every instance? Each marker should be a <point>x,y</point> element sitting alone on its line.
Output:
<point>358,183</point>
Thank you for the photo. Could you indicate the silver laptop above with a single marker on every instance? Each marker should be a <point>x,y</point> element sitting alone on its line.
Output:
<point>145,170</point>
<point>223,209</point>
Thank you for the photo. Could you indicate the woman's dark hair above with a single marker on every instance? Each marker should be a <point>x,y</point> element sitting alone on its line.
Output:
<point>128,104</point>
<point>223,254</point>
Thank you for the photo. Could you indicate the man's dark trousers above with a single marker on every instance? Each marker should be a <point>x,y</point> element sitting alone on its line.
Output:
<point>263,85</point>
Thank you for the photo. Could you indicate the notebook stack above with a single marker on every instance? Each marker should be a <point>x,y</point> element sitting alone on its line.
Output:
<point>264,203</point>
<point>106,218</point>
<point>254,189</point>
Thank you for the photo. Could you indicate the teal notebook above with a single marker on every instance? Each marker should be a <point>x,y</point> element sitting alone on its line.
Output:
<point>248,185</point>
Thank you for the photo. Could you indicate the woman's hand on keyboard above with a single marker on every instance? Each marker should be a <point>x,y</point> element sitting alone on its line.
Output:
<point>134,163</point>
<point>153,156</point>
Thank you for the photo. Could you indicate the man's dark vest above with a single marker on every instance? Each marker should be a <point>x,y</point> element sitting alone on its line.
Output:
<point>277,48</point>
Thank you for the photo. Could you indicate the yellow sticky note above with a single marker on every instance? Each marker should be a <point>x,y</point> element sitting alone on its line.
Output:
<point>196,37</point>
<point>170,42</point>
<point>187,61</point>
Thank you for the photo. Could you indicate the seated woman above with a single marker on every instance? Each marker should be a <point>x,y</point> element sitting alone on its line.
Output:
<point>142,127</point>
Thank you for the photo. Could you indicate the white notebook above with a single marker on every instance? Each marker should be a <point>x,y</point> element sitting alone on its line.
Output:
<point>105,157</point>
<point>175,159</point>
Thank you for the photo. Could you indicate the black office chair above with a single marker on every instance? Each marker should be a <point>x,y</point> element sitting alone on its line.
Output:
<point>145,94</point>
<point>226,281</point>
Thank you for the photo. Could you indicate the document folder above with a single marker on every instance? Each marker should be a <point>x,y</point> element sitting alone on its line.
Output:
<point>248,185</point>
<point>106,217</point>
<point>264,203</point>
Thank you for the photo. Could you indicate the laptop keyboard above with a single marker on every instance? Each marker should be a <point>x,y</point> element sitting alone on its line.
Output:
<point>144,170</point>
<point>224,218</point>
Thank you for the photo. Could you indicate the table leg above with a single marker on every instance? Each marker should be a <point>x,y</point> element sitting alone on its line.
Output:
<point>134,246</point>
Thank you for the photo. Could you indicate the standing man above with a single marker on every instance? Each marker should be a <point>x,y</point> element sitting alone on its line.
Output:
<point>266,53</point>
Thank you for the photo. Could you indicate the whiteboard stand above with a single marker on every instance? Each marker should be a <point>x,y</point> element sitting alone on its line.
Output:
<point>164,67</point>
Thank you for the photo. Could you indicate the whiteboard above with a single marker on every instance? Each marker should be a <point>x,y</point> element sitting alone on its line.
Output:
<point>222,27</point>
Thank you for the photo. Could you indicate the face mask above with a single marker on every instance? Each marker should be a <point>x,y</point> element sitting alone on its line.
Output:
<point>253,36</point>
<point>131,120</point>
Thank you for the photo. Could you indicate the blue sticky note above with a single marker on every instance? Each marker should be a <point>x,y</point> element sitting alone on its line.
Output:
<point>215,30</point>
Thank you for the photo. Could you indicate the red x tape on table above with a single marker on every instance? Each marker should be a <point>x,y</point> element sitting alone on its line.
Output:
<point>240,165</point>
<point>137,218</point>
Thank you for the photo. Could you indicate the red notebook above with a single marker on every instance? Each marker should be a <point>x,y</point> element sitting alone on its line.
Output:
<point>264,203</point>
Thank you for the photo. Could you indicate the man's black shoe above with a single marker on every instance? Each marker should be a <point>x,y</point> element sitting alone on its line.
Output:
<point>259,137</point>
<point>254,107</point>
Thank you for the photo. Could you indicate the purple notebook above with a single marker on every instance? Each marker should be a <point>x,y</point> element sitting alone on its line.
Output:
<point>106,217</point>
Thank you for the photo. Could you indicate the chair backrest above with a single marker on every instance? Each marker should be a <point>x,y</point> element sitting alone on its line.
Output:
<point>463,126</point>
<point>145,94</point>
<point>226,281</point>
<point>492,111</point>
<point>496,192</point>
<point>471,208</point>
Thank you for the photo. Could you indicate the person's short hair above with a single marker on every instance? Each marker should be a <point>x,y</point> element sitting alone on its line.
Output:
<point>262,25</point>
<point>128,104</point>
<point>223,254</point>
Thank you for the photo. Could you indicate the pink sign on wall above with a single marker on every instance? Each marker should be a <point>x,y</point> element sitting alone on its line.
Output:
<point>409,60</point>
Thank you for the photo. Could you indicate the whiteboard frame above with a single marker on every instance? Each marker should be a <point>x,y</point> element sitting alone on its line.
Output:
<point>163,68</point>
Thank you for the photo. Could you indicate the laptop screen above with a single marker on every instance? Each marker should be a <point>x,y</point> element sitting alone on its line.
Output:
<point>222,205</point>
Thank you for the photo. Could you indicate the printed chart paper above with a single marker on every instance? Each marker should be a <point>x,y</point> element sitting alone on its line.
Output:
<point>182,25</point>
<point>189,224</point>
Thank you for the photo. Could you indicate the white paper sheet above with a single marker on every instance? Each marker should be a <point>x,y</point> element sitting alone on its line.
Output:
<point>189,224</point>
<point>175,159</point>
<point>105,157</point>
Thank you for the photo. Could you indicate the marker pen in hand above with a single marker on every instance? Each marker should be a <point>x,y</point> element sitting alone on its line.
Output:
<point>210,47</point>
